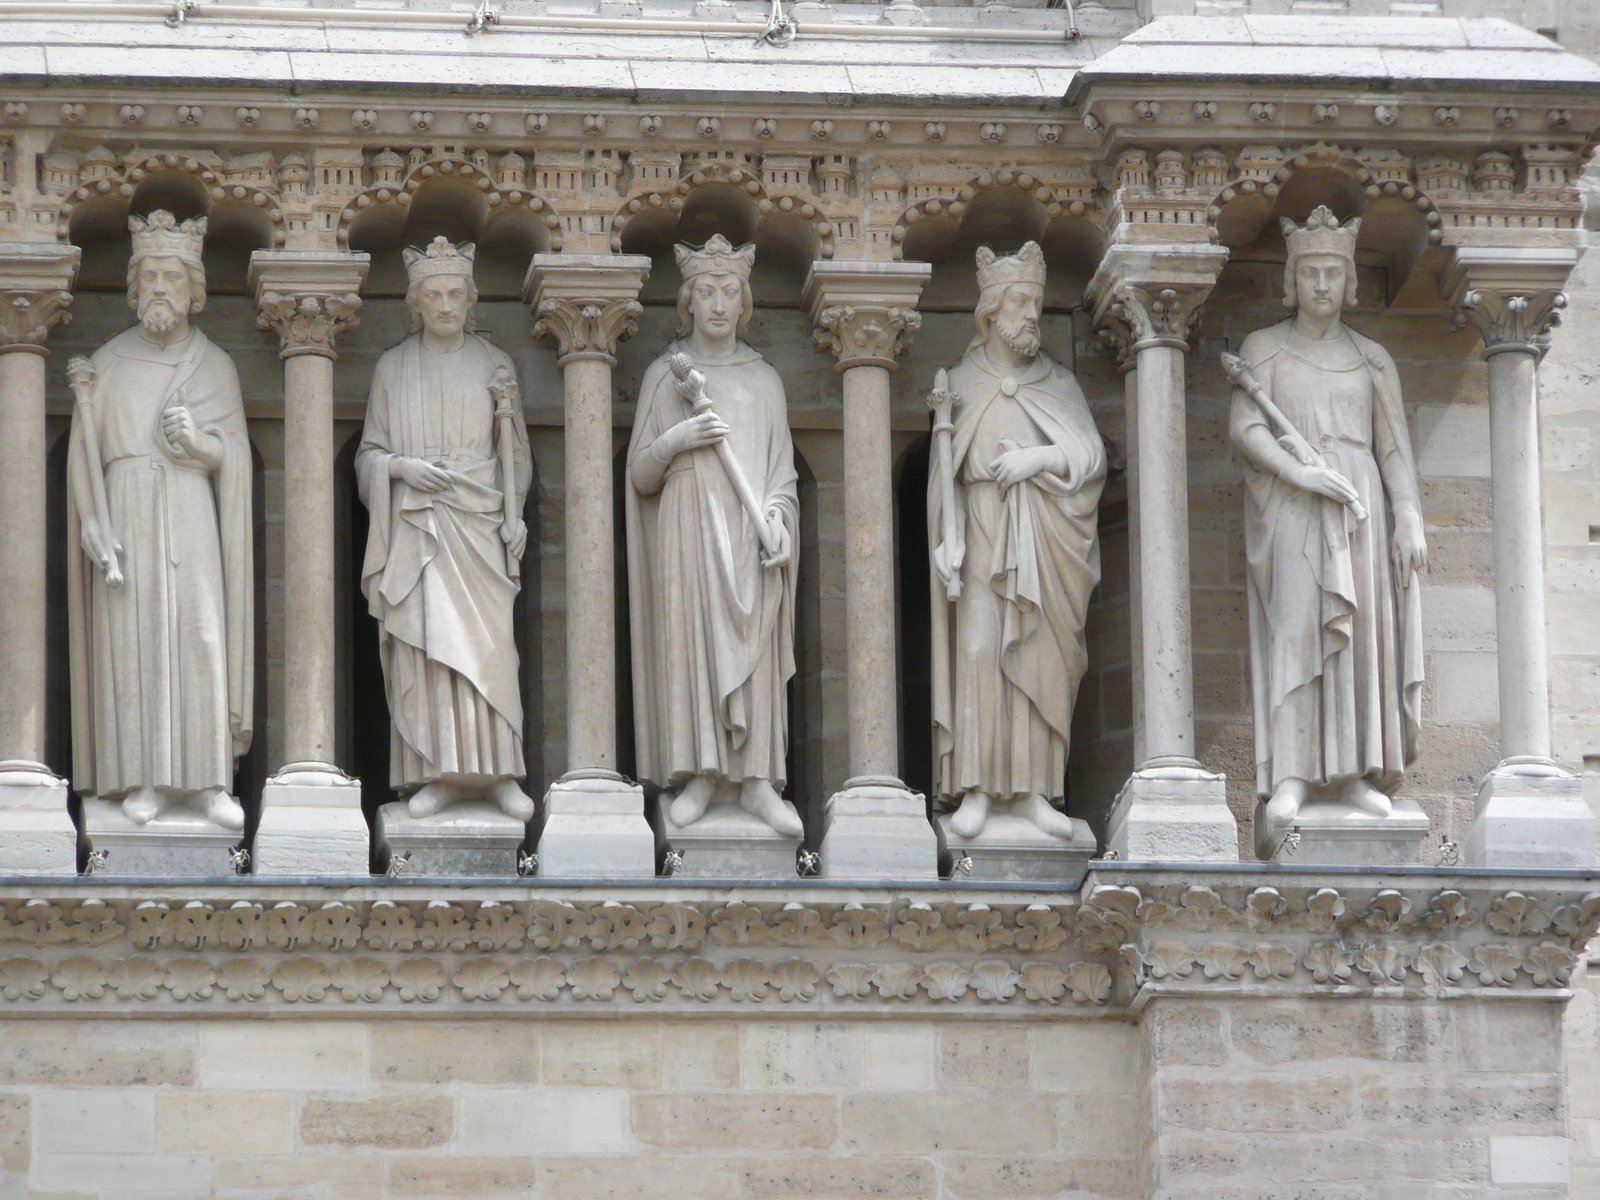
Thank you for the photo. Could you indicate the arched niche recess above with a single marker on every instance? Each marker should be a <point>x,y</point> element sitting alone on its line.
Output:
<point>239,219</point>
<point>1002,211</point>
<point>789,230</point>
<point>361,726</point>
<point>1400,225</point>
<point>463,198</point>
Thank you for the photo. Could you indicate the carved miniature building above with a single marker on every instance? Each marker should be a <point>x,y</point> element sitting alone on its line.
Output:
<point>1192,996</point>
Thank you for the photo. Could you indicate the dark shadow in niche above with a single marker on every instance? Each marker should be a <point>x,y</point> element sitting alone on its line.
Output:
<point>914,629</point>
<point>251,771</point>
<point>803,763</point>
<point>362,730</point>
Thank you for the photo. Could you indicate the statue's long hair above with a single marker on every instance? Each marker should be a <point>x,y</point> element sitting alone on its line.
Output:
<point>989,302</point>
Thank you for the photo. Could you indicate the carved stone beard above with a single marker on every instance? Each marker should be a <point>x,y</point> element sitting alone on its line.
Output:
<point>1019,335</point>
<point>158,315</point>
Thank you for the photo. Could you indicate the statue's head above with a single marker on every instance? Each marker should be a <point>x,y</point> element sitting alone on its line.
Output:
<point>441,291</point>
<point>1319,276</point>
<point>715,295</point>
<point>166,278</point>
<point>1010,299</point>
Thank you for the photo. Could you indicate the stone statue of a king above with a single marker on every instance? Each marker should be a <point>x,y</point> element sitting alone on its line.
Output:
<point>1334,541</point>
<point>443,469</point>
<point>160,596</point>
<point>712,516</point>
<point>1013,496</point>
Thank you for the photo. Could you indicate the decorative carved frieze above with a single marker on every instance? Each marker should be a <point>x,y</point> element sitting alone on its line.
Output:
<point>1118,944</point>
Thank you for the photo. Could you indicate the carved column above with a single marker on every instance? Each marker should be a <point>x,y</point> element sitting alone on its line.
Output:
<point>1530,812</point>
<point>1148,297</point>
<point>864,313</point>
<point>594,817</point>
<point>311,822</point>
<point>36,834</point>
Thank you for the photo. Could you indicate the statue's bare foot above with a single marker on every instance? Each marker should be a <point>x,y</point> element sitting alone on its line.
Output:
<point>221,808</point>
<point>1046,816</point>
<point>1360,795</point>
<point>758,798</point>
<point>972,816</point>
<point>513,801</point>
<point>689,805</point>
<point>1285,804</point>
<point>143,806</point>
<point>430,798</point>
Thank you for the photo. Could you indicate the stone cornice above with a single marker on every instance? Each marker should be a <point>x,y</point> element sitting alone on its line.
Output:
<point>1128,938</point>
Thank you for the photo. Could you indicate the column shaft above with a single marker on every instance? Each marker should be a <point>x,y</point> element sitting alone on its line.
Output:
<point>1519,586</point>
<point>591,566</point>
<point>869,573</point>
<point>22,556</point>
<point>1163,501</point>
<point>308,573</point>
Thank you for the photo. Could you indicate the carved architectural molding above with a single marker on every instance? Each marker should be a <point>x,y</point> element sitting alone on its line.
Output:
<point>35,279</point>
<point>586,303</point>
<point>1511,295</point>
<point>1151,293</point>
<point>1126,939</point>
<point>586,328</point>
<point>864,312</point>
<point>309,298</point>
<point>1159,316</point>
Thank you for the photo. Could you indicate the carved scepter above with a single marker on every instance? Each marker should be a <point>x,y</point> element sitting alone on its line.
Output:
<point>504,390</point>
<point>81,375</point>
<point>683,370</point>
<point>943,401</point>
<point>1288,435</point>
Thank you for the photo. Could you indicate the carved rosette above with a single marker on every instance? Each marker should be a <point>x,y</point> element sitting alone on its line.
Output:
<point>1154,316</point>
<point>587,328</point>
<point>866,335</point>
<point>28,314</point>
<point>1511,320</point>
<point>307,322</point>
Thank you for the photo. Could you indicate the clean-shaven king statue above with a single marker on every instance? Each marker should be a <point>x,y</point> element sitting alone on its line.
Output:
<point>1026,466</point>
<point>160,589</point>
<point>711,572</point>
<point>443,423</point>
<point>1333,535</point>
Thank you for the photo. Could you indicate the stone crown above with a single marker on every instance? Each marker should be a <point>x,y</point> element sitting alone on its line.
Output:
<point>1025,266</point>
<point>716,257</point>
<point>161,235</point>
<point>440,258</point>
<point>1321,234</point>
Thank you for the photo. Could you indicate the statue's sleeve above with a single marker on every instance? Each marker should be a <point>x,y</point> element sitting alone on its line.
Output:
<point>649,423</point>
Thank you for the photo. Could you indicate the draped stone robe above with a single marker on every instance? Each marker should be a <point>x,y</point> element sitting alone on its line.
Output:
<point>163,666</point>
<point>1008,655</point>
<point>713,629</point>
<point>1335,640</point>
<point>435,573</point>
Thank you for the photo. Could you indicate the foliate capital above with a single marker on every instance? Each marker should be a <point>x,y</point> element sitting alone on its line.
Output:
<point>308,297</point>
<point>307,323</point>
<point>586,327</point>
<point>1511,320</point>
<point>1512,295</point>
<point>870,335</point>
<point>35,279</point>
<point>1164,315</point>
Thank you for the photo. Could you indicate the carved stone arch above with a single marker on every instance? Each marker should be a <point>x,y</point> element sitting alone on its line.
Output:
<point>787,224</point>
<point>1059,209</point>
<point>1400,221</point>
<point>454,196</point>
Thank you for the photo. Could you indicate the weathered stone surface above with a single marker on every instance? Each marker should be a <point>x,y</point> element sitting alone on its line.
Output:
<point>1023,1178</point>
<point>990,1056</point>
<point>801,1055</point>
<point>481,1052</point>
<point>254,1054</point>
<point>748,1121</point>
<point>431,1176</point>
<point>646,1177</point>
<point>16,1128</point>
<point>1258,1103</point>
<point>810,1177</point>
<point>392,1123</point>
<point>544,1121</point>
<point>602,1054</point>
<point>918,1123</point>
<point>225,1122</point>
<point>96,1052</point>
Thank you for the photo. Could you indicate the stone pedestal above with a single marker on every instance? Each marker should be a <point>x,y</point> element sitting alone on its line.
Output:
<point>471,839</point>
<point>1173,814</point>
<point>729,843</point>
<point>1336,834</point>
<point>1531,820</point>
<point>877,829</point>
<point>178,843</point>
<point>595,828</point>
<point>1013,848</point>
<point>311,824</point>
<point>37,837</point>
